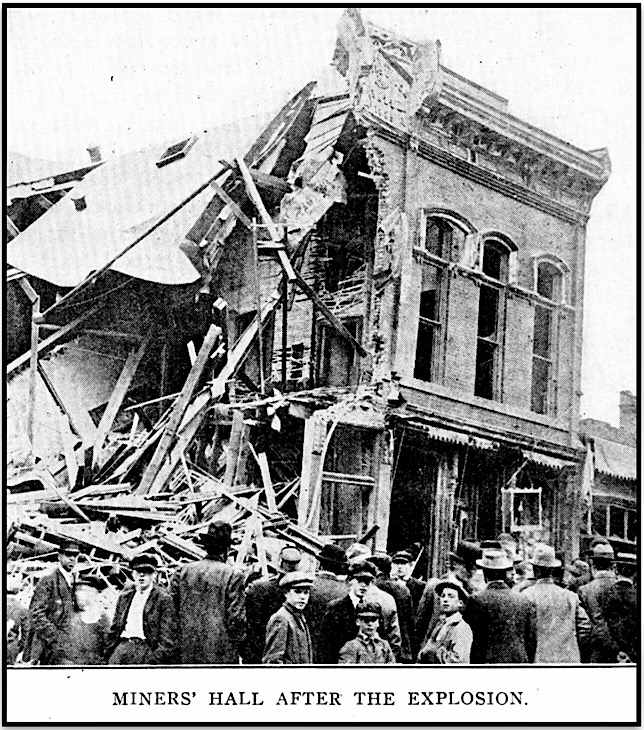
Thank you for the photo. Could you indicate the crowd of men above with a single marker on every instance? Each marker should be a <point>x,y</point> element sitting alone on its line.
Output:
<point>357,608</point>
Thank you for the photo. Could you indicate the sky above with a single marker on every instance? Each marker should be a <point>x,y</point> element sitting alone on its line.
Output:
<point>124,78</point>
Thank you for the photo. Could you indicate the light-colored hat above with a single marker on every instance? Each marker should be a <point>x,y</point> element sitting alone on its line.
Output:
<point>544,556</point>
<point>296,579</point>
<point>456,585</point>
<point>357,551</point>
<point>494,560</point>
<point>603,550</point>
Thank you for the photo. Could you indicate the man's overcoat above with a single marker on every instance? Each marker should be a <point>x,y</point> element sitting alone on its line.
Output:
<point>210,601</point>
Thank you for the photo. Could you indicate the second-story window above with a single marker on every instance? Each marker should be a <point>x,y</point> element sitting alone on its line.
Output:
<point>429,323</point>
<point>542,359</point>
<point>494,264</point>
<point>441,237</point>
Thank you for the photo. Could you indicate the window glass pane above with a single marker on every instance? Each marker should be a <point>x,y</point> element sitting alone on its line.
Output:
<point>488,311</point>
<point>540,380</point>
<point>434,237</point>
<point>549,281</point>
<point>485,368</point>
<point>542,331</point>
<point>425,351</point>
<point>631,523</point>
<point>599,519</point>
<point>617,515</point>
<point>429,296</point>
<point>494,260</point>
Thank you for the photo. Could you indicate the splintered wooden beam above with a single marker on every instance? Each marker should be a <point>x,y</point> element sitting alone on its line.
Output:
<point>328,314</point>
<point>178,410</point>
<point>48,344</point>
<point>118,395</point>
<point>254,195</point>
<point>231,204</point>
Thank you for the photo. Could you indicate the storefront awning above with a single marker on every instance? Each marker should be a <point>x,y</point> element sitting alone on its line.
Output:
<point>552,462</point>
<point>616,460</point>
<point>453,437</point>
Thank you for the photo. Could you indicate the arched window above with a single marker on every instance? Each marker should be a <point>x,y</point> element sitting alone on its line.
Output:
<point>443,234</point>
<point>550,278</point>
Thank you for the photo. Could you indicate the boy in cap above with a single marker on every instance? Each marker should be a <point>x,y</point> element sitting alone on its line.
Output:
<point>402,566</point>
<point>144,625</point>
<point>367,647</point>
<point>51,608</point>
<point>451,639</point>
<point>288,640</point>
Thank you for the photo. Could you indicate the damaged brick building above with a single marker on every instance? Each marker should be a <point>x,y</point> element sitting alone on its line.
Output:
<point>371,309</point>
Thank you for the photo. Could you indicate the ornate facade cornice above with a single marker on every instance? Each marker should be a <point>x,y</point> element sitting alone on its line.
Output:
<point>469,129</point>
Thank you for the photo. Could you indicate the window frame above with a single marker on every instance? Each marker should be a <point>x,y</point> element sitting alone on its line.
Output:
<point>550,361</point>
<point>437,325</point>
<point>564,272</point>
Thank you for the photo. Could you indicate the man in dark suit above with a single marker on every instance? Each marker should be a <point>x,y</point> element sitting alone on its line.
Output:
<point>503,622</point>
<point>51,609</point>
<point>210,601</point>
<point>339,623</point>
<point>402,565</point>
<point>600,649</point>
<point>144,627</point>
<point>618,629</point>
<point>263,599</point>
<point>329,585</point>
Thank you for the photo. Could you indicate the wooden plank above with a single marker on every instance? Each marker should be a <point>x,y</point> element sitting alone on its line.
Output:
<point>118,395</point>
<point>328,314</point>
<point>254,195</point>
<point>239,213</point>
<point>48,344</point>
<point>33,371</point>
<point>99,333</point>
<point>269,491</point>
<point>12,228</point>
<point>178,410</point>
<point>234,448</point>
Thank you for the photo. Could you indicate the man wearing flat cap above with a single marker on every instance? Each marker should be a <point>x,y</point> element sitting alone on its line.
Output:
<point>263,599</point>
<point>339,623</point>
<point>451,639</point>
<point>367,647</point>
<point>562,624</point>
<point>51,608</point>
<point>144,627</point>
<point>329,584</point>
<point>503,622</point>
<point>402,566</point>
<point>210,601</point>
<point>288,640</point>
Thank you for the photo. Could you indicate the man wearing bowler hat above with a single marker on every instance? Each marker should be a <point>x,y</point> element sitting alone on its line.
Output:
<point>263,598</point>
<point>329,584</point>
<point>562,624</point>
<point>51,608</point>
<point>503,622</point>
<point>144,627</point>
<point>288,640</point>
<point>451,638</point>
<point>209,597</point>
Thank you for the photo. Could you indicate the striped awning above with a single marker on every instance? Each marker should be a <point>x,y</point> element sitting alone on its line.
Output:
<point>552,462</point>
<point>451,436</point>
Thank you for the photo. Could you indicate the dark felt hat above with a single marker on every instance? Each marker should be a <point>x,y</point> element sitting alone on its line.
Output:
<point>466,553</point>
<point>145,563</point>
<point>332,555</point>
<point>68,548</point>
<point>382,561</point>
<point>218,537</point>
<point>290,554</point>
<point>362,569</point>
<point>403,557</point>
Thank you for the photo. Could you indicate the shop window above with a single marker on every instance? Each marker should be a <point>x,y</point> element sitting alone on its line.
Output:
<point>631,525</point>
<point>617,522</point>
<point>525,508</point>
<point>542,359</point>
<point>599,520</point>
<point>430,317</point>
